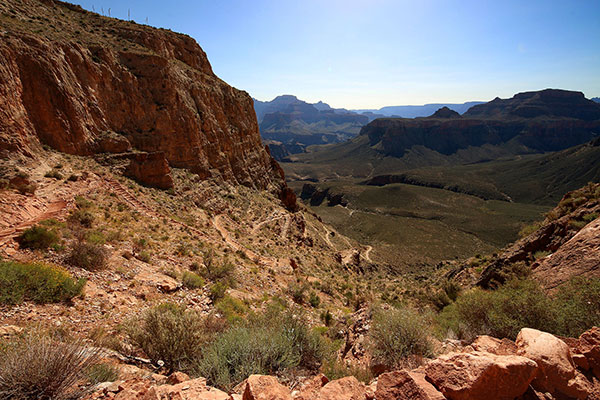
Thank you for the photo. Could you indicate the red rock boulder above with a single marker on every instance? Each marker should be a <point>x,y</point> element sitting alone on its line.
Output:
<point>348,388</point>
<point>556,370</point>
<point>405,385</point>
<point>264,387</point>
<point>480,375</point>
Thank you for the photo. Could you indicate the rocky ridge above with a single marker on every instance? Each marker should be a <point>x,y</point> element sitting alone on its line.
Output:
<point>85,84</point>
<point>564,245</point>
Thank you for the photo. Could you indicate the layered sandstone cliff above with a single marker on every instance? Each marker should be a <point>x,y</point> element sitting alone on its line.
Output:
<point>83,84</point>
<point>531,122</point>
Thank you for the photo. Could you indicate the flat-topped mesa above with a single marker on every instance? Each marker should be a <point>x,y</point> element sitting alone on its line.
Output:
<point>531,122</point>
<point>84,84</point>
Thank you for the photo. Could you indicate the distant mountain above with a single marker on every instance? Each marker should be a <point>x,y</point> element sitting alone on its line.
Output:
<point>596,99</point>
<point>419,111</point>
<point>528,123</point>
<point>288,125</point>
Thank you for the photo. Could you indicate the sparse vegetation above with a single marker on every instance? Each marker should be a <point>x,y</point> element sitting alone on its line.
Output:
<point>40,283</point>
<point>397,335</point>
<point>53,173</point>
<point>38,237</point>
<point>268,344</point>
<point>90,256</point>
<point>37,367</point>
<point>191,280</point>
<point>102,373</point>
<point>170,333</point>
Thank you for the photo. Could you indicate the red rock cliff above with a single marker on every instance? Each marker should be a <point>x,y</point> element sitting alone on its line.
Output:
<point>74,80</point>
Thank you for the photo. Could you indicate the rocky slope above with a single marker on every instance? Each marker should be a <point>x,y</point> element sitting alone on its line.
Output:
<point>536,366</point>
<point>86,84</point>
<point>564,245</point>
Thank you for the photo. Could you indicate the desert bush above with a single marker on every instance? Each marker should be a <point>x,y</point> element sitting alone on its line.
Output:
<point>89,256</point>
<point>99,373</point>
<point>82,217</point>
<point>191,281</point>
<point>144,256</point>
<point>37,367</point>
<point>37,237</point>
<point>398,334</point>
<point>501,312</point>
<point>53,173</point>
<point>297,292</point>
<point>577,305</point>
<point>314,300</point>
<point>170,333</point>
<point>217,291</point>
<point>231,308</point>
<point>266,344</point>
<point>36,282</point>
<point>218,272</point>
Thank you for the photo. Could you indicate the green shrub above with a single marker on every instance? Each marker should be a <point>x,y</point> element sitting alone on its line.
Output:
<point>38,237</point>
<point>37,367</point>
<point>232,309</point>
<point>217,291</point>
<point>297,291</point>
<point>53,174</point>
<point>215,272</point>
<point>577,305</point>
<point>36,282</point>
<point>500,313</point>
<point>82,217</point>
<point>170,333</point>
<point>191,281</point>
<point>267,344</point>
<point>102,373</point>
<point>398,334</point>
<point>314,300</point>
<point>90,256</point>
<point>143,256</point>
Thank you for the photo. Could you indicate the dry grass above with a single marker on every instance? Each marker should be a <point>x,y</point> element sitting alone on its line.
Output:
<point>37,367</point>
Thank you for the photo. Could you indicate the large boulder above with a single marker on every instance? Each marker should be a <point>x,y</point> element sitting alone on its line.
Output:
<point>471,376</point>
<point>195,389</point>
<point>348,388</point>
<point>405,385</point>
<point>556,371</point>
<point>264,387</point>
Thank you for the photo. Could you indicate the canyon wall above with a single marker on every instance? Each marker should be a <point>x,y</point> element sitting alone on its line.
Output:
<point>84,84</point>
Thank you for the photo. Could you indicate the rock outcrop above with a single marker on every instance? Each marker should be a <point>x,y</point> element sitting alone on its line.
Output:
<point>83,84</point>
<point>568,237</point>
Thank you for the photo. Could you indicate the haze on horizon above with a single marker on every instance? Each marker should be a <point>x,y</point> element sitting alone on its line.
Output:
<point>370,54</point>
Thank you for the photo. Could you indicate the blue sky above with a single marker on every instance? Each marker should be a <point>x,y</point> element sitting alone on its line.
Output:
<point>369,54</point>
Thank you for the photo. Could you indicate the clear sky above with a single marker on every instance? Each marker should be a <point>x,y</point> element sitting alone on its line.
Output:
<point>369,54</point>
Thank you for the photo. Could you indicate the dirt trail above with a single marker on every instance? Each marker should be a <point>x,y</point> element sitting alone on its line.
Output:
<point>54,200</point>
<point>274,217</point>
<point>219,226</point>
<point>366,254</point>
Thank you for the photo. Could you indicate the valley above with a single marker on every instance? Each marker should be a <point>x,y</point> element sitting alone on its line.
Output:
<point>165,235</point>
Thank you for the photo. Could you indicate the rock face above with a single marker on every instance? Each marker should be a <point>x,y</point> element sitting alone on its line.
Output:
<point>580,256</point>
<point>549,120</point>
<point>150,169</point>
<point>556,370</point>
<point>471,376</point>
<point>78,78</point>
<point>573,247</point>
